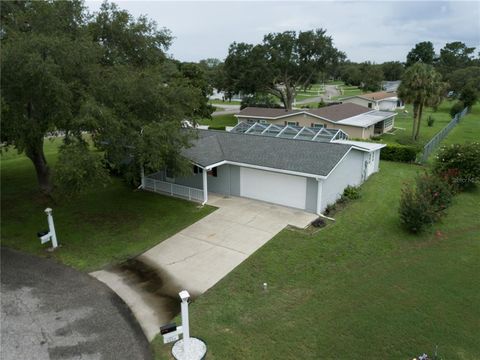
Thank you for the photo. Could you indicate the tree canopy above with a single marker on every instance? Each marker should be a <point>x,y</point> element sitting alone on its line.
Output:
<point>280,64</point>
<point>423,52</point>
<point>106,74</point>
<point>421,86</point>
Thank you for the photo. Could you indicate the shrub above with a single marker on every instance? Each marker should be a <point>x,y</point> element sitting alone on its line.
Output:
<point>459,164</point>
<point>319,223</point>
<point>399,153</point>
<point>351,192</point>
<point>456,108</point>
<point>216,128</point>
<point>321,104</point>
<point>330,209</point>
<point>423,204</point>
<point>430,121</point>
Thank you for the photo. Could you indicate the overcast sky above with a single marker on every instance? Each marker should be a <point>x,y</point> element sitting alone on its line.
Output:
<point>376,31</point>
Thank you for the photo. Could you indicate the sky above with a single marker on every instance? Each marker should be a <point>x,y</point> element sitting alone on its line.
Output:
<point>376,31</point>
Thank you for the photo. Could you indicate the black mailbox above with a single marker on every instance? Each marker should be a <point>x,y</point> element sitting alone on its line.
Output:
<point>165,329</point>
<point>42,233</point>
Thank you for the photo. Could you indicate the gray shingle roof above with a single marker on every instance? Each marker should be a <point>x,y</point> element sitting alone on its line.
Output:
<point>286,154</point>
<point>333,112</point>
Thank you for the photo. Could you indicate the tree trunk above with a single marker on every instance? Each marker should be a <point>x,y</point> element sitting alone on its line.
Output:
<point>35,153</point>
<point>289,97</point>
<point>419,120</point>
<point>415,115</point>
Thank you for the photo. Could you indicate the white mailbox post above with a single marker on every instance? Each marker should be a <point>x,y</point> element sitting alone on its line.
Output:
<point>188,348</point>
<point>51,235</point>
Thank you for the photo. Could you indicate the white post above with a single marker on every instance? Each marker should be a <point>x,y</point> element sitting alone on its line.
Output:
<point>205,187</point>
<point>184,295</point>
<point>51,227</point>
<point>319,195</point>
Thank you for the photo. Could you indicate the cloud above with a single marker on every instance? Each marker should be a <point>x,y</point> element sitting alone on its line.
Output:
<point>375,31</point>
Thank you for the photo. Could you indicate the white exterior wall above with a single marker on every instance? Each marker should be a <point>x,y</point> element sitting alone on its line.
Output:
<point>387,104</point>
<point>348,172</point>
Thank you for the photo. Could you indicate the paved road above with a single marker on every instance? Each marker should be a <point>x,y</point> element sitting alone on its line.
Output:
<point>227,109</point>
<point>330,92</point>
<point>197,257</point>
<point>50,311</point>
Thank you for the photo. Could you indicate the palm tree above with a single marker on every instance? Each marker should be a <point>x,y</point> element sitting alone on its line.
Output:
<point>421,86</point>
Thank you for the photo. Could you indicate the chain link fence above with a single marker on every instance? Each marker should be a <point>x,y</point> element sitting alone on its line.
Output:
<point>430,147</point>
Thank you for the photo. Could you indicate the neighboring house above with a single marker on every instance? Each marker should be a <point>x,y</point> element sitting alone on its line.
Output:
<point>382,100</point>
<point>303,174</point>
<point>391,85</point>
<point>355,120</point>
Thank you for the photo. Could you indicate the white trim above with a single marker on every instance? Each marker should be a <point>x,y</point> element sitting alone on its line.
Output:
<point>338,163</point>
<point>297,173</point>
<point>205,186</point>
<point>319,195</point>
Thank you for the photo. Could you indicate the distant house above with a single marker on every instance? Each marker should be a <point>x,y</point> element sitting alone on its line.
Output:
<point>382,100</point>
<point>357,121</point>
<point>298,173</point>
<point>391,85</point>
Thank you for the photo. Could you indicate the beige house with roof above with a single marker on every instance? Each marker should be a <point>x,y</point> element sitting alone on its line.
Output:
<point>357,121</point>
<point>382,100</point>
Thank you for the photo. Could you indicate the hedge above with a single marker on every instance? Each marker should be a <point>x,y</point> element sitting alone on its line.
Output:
<point>399,153</point>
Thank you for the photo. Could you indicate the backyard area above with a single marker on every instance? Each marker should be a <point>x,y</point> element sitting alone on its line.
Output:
<point>103,226</point>
<point>220,121</point>
<point>360,286</point>
<point>404,122</point>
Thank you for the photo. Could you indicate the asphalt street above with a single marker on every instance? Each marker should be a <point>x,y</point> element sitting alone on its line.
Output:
<point>50,311</point>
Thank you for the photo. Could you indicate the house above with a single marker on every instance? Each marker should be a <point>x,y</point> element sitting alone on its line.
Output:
<point>357,121</point>
<point>391,85</point>
<point>382,100</point>
<point>302,174</point>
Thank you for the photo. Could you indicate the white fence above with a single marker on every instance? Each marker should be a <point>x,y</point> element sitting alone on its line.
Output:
<point>181,191</point>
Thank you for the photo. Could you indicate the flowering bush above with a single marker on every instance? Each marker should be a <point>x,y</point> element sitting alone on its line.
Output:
<point>424,203</point>
<point>459,165</point>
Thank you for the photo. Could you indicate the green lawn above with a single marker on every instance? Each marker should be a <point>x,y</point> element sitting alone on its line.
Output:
<point>221,120</point>
<point>359,288</point>
<point>404,123</point>
<point>104,226</point>
<point>221,102</point>
<point>468,130</point>
<point>347,91</point>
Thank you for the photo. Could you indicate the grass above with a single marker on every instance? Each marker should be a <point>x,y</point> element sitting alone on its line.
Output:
<point>221,120</point>
<point>467,130</point>
<point>359,288</point>
<point>221,102</point>
<point>104,226</point>
<point>442,117</point>
<point>347,91</point>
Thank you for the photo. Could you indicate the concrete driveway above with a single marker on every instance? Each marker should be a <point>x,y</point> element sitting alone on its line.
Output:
<point>198,257</point>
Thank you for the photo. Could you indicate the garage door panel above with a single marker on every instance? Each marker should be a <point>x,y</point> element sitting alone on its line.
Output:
<point>277,188</point>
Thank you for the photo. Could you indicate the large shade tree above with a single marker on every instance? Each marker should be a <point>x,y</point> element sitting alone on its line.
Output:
<point>279,65</point>
<point>421,86</point>
<point>422,52</point>
<point>108,75</point>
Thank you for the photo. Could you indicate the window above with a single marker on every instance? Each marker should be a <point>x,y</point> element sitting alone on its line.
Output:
<point>250,121</point>
<point>291,123</point>
<point>263,122</point>
<point>318,126</point>
<point>197,170</point>
<point>387,123</point>
<point>370,105</point>
<point>212,172</point>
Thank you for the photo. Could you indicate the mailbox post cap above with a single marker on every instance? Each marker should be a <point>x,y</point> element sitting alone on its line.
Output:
<point>184,295</point>
<point>48,211</point>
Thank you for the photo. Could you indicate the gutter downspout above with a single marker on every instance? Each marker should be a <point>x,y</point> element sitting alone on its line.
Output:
<point>319,199</point>
<point>205,186</point>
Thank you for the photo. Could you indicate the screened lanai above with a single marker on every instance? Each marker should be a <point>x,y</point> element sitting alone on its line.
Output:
<point>290,132</point>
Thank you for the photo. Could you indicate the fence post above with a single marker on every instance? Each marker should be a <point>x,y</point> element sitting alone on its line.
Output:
<point>171,189</point>
<point>155,185</point>
<point>189,194</point>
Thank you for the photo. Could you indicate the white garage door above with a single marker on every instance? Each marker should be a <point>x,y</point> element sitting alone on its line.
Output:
<point>273,187</point>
